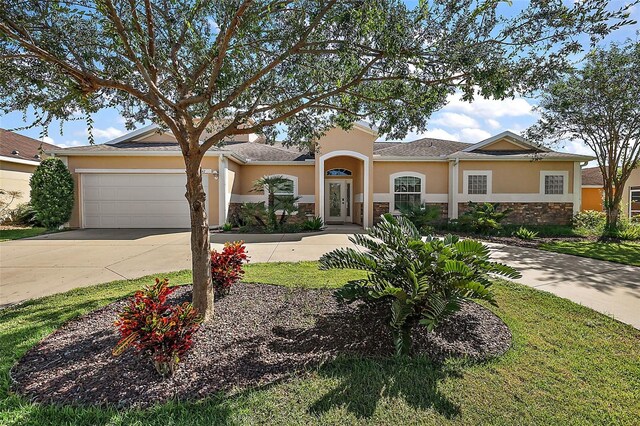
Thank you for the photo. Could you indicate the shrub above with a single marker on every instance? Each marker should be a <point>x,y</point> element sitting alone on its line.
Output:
<point>252,214</point>
<point>627,230</point>
<point>590,220</point>
<point>423,216</point>
<point>154,327</point>
<point>226,266</point>
<point>313,224</point>
<point>52,193</point>
<point>525,234</point>
<point>6,199</point>
<point>420,282</point>
<point>227,227</point>
<point>482,218</point>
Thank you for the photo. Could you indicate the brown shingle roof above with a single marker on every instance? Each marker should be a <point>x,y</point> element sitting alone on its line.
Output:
<point>26,147</point>
<point>426,147</point>
<point>592,176</point>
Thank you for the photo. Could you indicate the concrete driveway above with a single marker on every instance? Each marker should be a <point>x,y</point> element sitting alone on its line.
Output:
<point>54,263</point>
<point>49,264</point>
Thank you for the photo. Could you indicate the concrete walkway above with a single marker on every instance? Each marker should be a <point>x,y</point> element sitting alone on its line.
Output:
<point>55,263</point>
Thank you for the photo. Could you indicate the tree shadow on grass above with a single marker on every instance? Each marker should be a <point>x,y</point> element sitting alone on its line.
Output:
<point>362,383</point>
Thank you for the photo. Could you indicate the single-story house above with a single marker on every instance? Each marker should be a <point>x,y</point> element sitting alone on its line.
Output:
<point>19,157</point>
<point>593,192</point>
<point>137,180</point>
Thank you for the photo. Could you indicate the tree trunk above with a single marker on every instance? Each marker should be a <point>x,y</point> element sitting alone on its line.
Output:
<point>200,248</point>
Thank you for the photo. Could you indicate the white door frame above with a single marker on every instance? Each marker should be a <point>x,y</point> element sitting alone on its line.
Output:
<point>344,218</point>
<point>321,179</point>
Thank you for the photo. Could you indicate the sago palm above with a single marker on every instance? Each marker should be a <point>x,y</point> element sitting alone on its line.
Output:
<point>422,282</point>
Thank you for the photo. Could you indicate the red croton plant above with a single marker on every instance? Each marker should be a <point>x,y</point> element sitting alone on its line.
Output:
<point>153,326</point>
<point>226,266</point>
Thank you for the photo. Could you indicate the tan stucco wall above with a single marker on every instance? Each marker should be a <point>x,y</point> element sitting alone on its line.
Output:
<point>15,177</point>
<point>436,175</point>
<point>248,174</point>
<point>354,140</point>
<point>501,145</point>
<point>140,162</point>
<point>516,177</point>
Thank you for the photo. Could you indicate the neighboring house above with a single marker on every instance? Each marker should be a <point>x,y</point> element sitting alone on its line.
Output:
<point>593,192</point>
<point>19,157</point>
<point>137,180</point>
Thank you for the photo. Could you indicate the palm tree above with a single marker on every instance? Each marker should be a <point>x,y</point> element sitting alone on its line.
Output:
<point>273,185</point>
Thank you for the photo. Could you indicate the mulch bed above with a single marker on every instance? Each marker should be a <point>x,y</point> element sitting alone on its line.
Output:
<point>261,334</point>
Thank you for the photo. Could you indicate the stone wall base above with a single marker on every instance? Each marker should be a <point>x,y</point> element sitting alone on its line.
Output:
<point>381,208</point>
<point>532,213</point>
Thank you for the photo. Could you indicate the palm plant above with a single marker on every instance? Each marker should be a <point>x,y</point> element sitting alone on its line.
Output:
<point>483,217</point>
<point>422,282</point>
<point>273,185</point>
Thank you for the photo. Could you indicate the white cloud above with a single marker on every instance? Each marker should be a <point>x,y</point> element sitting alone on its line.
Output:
<point>72,143</point>
<point>47,139</point>
<point>108,133</point>
<point>438,134</point>
<point>494,124</point>
<point>454,120</point>
<point>473,135</point>
<point>491,108</point>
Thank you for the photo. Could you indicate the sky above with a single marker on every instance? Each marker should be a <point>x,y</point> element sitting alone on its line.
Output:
<point>458,120</point>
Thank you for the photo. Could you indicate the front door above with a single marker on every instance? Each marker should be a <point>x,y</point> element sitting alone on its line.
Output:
<point>338,199</point>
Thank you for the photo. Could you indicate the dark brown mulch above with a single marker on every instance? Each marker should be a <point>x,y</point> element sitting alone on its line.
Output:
<point>261,334</point>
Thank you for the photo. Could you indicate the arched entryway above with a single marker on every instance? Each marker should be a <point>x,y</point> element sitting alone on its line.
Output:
<point>344,192</point>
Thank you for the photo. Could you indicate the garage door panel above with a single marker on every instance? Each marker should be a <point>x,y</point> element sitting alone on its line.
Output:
<point>135,201</point>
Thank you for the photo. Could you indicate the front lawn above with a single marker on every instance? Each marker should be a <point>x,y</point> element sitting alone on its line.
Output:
<point>17,233</point>
<point>568,365</point>
<point>627,253</point>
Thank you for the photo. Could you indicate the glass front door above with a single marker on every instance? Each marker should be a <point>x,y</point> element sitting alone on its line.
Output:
<point>338,199</point>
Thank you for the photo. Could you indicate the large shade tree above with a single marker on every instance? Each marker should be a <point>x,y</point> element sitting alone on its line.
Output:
<point>206,70</point>
<point>598,105</point>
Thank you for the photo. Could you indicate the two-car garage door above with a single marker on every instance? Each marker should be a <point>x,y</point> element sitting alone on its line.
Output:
<point>135,200</point>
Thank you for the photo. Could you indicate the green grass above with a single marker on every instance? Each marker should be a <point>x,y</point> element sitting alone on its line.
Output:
<point>568,366</point>
<point>15,234</point>
<point>627,252</point>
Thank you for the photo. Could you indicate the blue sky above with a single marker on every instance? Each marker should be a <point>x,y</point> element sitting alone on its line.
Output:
<point>463,121</point>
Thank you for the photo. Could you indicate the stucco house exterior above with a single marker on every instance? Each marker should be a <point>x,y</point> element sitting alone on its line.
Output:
<point>137,180</point>
<point>593,192</point>
<point>19,157</point>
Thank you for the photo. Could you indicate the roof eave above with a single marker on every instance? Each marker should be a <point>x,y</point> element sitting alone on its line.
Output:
<point>19,160</point>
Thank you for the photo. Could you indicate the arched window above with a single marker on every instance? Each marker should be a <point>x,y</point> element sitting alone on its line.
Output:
<point>407,191</point>
<point>339,172</point>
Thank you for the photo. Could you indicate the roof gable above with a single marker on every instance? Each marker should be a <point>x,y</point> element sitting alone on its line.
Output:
<point>506,141</point>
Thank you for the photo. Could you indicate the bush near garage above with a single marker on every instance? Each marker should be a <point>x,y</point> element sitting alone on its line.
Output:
<point>52,193</point>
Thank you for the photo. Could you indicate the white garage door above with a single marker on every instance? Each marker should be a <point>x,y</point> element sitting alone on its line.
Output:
<point>115,200</point>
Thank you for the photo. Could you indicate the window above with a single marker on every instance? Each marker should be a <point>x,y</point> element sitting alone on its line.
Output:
<point>554,184</point>
<point>477,184</point>
<point>339,172</point>
<point>283,192</point>
<point>634,203</point>
<point>406,191</point>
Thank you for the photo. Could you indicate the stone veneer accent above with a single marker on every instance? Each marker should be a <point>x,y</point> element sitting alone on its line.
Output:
<point>533,213</point>
<point>381,208</point>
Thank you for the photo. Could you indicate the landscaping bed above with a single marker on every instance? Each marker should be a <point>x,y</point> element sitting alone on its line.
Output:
<point>261,334</point>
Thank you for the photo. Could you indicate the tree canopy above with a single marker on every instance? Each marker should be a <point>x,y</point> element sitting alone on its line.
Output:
<point>248,65</point>
<point>599,106</point>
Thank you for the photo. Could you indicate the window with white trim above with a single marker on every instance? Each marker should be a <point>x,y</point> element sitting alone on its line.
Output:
<point>634,202</point>
<point>554,184</point>
<point>477,184</point>
<point>407,191</point>
<point>285,189</point>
